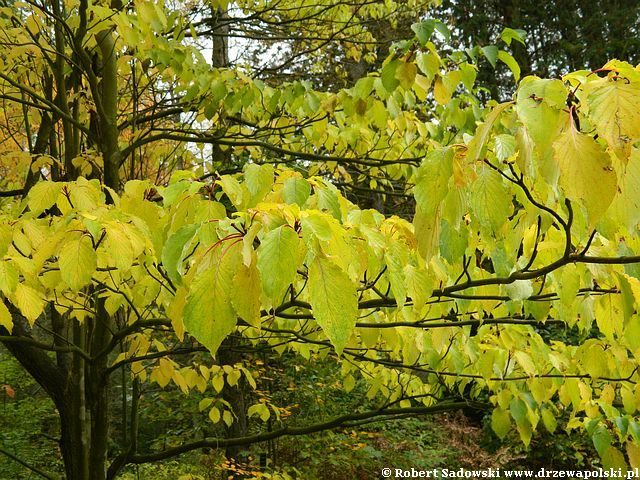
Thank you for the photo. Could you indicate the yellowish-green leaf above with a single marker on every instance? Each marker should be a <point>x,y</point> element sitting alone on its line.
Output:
<point>259,180</point>
<point>625,208</point>
<point>214,415</point>
<point>43,195</point>
<point>476,145</point>
<point>406,74</point>
<point>8,277</point>
<point>296,190</point>
<point>6,320</point>
<point>500,422</point>
<point>419,286</point>
<point>278,261</point>
<point>551,92</point>
<point>432,182</point>
<point>510,62</point>
<point>549,420</point>
<point>246,294</point>
<point>396,257</point>
<point>490,200</point>
<point>208,314</point>
<point>633,452</point>
<point>614,109</point>
<point>29,302</point>
<point>586,175</point>
<point>334,301</point>
<point>77,261</point>
<point>175,249</point>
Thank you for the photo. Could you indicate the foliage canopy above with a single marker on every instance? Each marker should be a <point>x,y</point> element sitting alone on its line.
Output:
<point>172,207</point>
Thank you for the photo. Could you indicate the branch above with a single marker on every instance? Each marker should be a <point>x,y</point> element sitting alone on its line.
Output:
<point>39,365</point>
<point>32,342</point>
<point>12,193</point>
<point>52,106</point>
<point>368,161</point>
<point>296,431</point>
<point>26,465</point>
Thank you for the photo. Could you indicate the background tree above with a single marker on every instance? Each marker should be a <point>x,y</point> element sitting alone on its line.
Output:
<point>561,36</point>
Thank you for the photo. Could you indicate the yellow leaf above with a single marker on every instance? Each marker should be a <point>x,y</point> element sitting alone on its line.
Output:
<point>614,108</point>
<point>586,175</point>
<point>245,296</point>
<point>5,317</point>
<point>29,302</point>
<point>334,301</point>
<point>77,261</point>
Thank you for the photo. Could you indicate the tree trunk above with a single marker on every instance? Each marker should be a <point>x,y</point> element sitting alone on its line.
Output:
<point>78,390</point>
<point>236,396</point>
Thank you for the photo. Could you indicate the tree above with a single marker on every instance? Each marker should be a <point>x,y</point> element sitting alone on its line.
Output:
<point>561,36</point>
<point>523,223</point>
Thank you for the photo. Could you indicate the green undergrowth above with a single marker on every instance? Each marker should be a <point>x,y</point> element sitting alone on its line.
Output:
<point>28,430</point>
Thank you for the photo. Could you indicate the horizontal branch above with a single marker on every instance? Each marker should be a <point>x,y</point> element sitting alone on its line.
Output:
<point>12,193</point>
<point>341,421</point>
<point>44,346</point>
<point>368,161</point>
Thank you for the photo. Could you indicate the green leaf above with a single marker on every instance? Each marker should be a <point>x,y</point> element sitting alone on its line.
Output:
<point>504,146</point>
<point>429,64</point>
<point>480,138</point>
<point>432,185</point>
<point>419,286</point>
<point>625,208</point>
<point>42,196</point>
<point>334,301</point>
<point>424,30</point>
<point>490,200</point>
<point>549,420</point>
<point>519,290</point>
<point>443,30</point>
<point>208,314</point>
<point>296,190</point>
<point>175,249</point>
<point>78,262</point>
<point>432,178</point>
<point>586,175</point>
<point>388,74</point>
<point>518,410</point>
<point>328,200</point>
<point>509,34</point>
<point>363,87</point>
<point>551,92</point>
<point>491,53</point>
<point>236,192</point>
<point>396,256</point>
<point>468,75</point>
<point>510,62</point>
<point>278,261</point>
<point>602,440</point>
<point>259,181</point>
